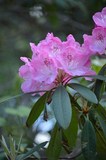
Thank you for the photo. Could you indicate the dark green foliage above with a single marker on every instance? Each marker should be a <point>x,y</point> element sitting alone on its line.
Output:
<point>31,151</point>
<point>71,132</point>
<point>99,85</point>
<point>88,141</point>
<point>85,92</point>
<point>55,145</point>
<point>36,110</point>
<point>61,106</point>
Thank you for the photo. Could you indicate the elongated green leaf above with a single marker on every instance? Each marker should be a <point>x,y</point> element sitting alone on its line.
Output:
<point>84,92</point>
<point>61,106</point>
<point>73,101</point>
<point>19,143</point>
<point>103,70</point>
<point>99,88</point>
<point>88,141</point>
<point>36,110</point>
<point>101,111</point>
<point>102,124</point>
<point>7,154</point>
<point>72,131</point>
<point>101,144</point>
<point>5,147</point>
<point>99,77</point>
<point>80,157</point>
<point>99,83</point>
<point>29,153</point>
<point>8,98</point>
<point>54,148</point>
<point>12,147</point>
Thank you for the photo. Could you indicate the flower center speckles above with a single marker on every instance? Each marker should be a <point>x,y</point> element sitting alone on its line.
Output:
<point>55,48</point>
<point>69,57</point>
<point>36,54</point>
<point>47,62</point>
<point>54,51</point>
<point>100,37</point>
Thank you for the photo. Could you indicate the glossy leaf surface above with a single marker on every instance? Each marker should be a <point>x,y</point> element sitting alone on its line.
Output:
<point>84,92</point>
<point>72,131</point>
<point>99,83</point>
<point>36,110</point>
<point>88,141</point>
<point>54,148</point>
<point>30,152</point>
<point>61,106</point>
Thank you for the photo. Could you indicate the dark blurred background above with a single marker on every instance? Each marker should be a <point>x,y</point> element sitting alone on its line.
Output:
<point>24,21</point>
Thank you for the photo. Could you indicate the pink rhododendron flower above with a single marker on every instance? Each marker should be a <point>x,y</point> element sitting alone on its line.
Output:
<point>96,43</point>
<point>51,45</point>
<point>100,18</point>
<point>53,63</point>
<point>38,74</point>
<point>74,61</point>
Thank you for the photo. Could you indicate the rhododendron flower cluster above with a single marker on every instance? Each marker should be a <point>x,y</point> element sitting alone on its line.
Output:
<point>96,43</point>
<point>53,63</point>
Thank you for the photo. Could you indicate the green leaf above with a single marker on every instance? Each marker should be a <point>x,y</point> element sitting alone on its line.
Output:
<point>29,153</point>
<point>54,148</point>
<point>88,141</point>
<point>100,77</point>
<point>103,70</point>
<point>101,111</point>
<point>6,149</point>
<point>102,124</point>
<point>19,143</point>
<point>80,157</point>
<point>8,98</point>
<point>101,144</point>
<point>99,83</point>
<point>36,155</point>
<point>36,110</point>
<point>73,100</point>
<point>12,147</point>
<point>72,131</point>
<point>84,92</point>
<point>61,106</point>
<point>99,88</point>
